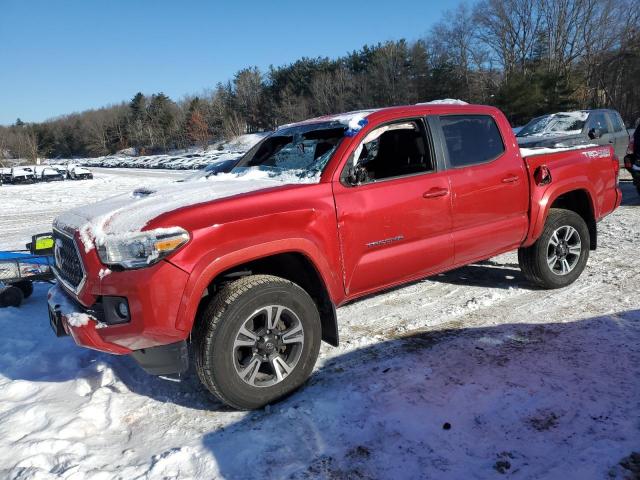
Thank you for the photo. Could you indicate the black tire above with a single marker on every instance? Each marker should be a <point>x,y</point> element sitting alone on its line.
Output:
<point>25,286</point>
<point>533,260</point>
<point>218,327</point>
<point>10,296</point>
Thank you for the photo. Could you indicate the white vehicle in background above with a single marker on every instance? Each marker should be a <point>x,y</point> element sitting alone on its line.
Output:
<point>76,172</point>
<point>48,174</point>
<point>22,175</point>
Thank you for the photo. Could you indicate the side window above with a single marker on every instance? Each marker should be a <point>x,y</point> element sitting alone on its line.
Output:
<point>598,120</point>
<point>616,121</point>
<point>471,139</point>
<point>393,150</point>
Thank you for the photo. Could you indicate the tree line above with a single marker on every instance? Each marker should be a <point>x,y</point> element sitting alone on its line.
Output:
<point>527,57</point>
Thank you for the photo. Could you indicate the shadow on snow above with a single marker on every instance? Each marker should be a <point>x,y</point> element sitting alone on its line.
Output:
<point>551,400</point>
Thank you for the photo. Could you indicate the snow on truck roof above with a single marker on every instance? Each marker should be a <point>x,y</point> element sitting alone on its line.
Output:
<point>357,119</point>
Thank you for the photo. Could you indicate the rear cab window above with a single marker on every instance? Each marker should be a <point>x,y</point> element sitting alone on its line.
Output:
<point>471,139</point>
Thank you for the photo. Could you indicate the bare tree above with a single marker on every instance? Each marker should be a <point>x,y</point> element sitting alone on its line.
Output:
<point>456,42</point>
<point>510,28</point>
<point>330,91</point>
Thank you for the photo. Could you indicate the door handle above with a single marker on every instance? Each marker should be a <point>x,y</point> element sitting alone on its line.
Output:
<point>511,179</point>
<point>435,192</point>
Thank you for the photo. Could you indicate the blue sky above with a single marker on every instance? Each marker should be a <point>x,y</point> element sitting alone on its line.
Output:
<point>62,56</point>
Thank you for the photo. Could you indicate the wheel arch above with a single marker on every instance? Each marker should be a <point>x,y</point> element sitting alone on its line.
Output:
<point>578,199</point>
<point>295,265</point>
<point>580,202</point>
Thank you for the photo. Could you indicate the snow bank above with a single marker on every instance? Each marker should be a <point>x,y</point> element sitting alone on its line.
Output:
<point>184,159</point>
<point>247,141</point>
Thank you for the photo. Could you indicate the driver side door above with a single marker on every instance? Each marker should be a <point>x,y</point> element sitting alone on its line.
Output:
<point>394,224</point>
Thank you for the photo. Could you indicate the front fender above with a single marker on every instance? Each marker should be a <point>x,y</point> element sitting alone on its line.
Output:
<point>213,264</point>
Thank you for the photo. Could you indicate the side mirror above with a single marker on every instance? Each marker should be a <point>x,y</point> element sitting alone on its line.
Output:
<point>595,133</point>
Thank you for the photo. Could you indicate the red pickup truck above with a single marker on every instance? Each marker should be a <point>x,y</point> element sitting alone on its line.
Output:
<point>246,269</point>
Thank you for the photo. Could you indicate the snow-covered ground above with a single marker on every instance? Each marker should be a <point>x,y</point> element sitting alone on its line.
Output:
<point>470,374</point>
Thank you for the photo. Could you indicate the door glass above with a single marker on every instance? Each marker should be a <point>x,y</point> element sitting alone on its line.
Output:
<point>393,150</point>
<point>471,139</point>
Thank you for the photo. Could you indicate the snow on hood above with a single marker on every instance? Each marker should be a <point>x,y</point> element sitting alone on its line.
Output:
<point>127,214</point>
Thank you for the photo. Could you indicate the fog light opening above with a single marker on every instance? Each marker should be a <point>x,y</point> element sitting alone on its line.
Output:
<point>122,310</point>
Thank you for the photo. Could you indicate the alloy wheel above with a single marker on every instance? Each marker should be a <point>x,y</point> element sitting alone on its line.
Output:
<point>564,250</point>
<point>268,346</point>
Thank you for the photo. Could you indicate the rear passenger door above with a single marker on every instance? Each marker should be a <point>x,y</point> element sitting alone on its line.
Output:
<point>489,186</point>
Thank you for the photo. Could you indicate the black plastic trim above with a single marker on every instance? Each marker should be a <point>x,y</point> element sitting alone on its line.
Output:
<point>169,359</point>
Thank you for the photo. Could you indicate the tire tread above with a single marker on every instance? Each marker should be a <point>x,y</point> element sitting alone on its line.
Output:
<point>213,315</point>
<point>529,258</point>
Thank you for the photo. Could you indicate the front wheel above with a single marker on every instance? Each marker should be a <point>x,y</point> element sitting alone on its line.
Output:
<point>257,341</point>
<point>560,254</point>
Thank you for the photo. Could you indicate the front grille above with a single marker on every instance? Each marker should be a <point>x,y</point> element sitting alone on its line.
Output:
<point>68,263</point>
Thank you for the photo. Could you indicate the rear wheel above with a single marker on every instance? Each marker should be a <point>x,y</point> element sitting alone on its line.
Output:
<point>257,341</point>
<point>560,254</point>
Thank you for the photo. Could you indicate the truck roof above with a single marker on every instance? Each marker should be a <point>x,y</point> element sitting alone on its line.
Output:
<point>354,120</point>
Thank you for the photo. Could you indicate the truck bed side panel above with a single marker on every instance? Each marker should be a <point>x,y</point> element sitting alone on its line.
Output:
<point>590,170</point>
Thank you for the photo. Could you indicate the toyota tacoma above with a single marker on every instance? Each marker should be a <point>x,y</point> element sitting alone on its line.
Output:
<point>242,272</point>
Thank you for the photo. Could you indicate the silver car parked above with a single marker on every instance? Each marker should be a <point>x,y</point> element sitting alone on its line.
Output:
<point>566,129</point>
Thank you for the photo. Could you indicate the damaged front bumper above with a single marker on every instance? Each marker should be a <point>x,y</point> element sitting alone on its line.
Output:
<point>68,317</point>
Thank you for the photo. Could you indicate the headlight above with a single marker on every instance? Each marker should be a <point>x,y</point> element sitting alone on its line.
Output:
<point>142,249</point>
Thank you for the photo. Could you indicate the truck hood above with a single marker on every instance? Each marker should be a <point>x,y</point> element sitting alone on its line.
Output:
<point>129,213</point>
